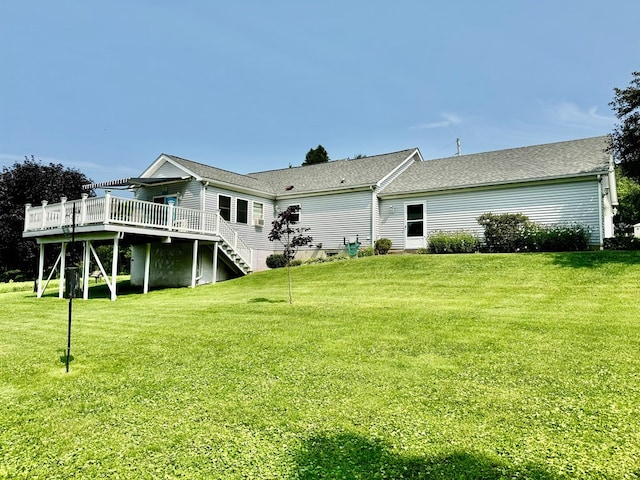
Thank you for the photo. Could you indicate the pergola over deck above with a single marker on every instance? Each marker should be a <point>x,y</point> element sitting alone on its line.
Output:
<point>111,218</point>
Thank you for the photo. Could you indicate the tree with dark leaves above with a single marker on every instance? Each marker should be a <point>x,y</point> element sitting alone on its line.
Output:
<point>30,182</point>
<point>315,156</point>
<point>625,139</point>
<point>291,237</point>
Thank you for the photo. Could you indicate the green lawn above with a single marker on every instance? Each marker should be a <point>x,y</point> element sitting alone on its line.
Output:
<point>405,366</point>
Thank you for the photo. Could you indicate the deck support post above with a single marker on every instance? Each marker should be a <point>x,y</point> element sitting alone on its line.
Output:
<point>85,269</point>
<point>40,270</point>
<point>147,259</point>
<point>63,265</point>
<point>215,263</point>
<point>114,268</point>
<point>194,264</point>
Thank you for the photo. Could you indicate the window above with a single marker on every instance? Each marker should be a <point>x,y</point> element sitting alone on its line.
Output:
<point>166,199</point>
<point>295,217</point>
<point>415,220</point>
<point>242,211</point>
<point>258,213</point>
<point>224,205</point>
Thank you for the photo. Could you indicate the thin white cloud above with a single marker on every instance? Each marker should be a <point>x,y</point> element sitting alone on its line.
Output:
<point>448,120</point>
<point>571,115</point>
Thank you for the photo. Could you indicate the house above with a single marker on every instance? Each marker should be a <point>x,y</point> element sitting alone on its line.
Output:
<point>191,223</point>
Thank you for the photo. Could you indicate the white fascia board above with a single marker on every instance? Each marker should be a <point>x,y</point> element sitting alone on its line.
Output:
<point>237,188</point>
<point>403,165</point>
<point>165,159</point>
<point>319,193</point>
<point>491,185</point>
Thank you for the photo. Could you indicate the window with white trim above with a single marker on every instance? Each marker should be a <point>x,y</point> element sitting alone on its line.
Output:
<point>258,213</point>
<point>242,211</point>
<point>295,217</point>
<point>224,205</point>
<point>166,199</point>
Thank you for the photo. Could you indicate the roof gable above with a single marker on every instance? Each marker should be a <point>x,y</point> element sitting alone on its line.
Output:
<point>540,162</point>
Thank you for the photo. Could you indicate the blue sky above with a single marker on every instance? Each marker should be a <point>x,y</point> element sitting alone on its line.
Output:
<point>106,86</point>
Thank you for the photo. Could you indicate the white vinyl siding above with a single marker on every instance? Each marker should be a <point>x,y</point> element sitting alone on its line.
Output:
<point>575,202</point>
<point>187,193</point>
<point>167,170</point>
<point>254,236</point>
<point>332,218</point>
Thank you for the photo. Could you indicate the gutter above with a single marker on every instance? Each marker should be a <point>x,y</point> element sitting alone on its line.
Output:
<point>487,185</point>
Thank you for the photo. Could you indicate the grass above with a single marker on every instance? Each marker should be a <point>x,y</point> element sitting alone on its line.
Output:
<point>408,366</point>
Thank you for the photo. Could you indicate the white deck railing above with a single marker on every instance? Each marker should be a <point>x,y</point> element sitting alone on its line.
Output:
<point>134,213</point>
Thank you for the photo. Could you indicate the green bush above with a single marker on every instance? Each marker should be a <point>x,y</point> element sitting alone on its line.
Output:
<point>453,242</point>
<point>13,276</point>
<point>276,260</point>
<point>506,232</point>
<point>557,238</point>
<point>366,252</point>
<point>622,242</point>
<point>514,232</point>
<point>382,246</point>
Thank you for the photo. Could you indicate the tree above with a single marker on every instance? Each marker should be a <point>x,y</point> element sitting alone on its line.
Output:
<point>625,139</point>
<point>629,198</point>
<point>30,182</point>
<point>316,155</point>
<point>291,238</point>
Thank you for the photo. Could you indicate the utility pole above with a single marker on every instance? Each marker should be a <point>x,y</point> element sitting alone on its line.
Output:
<point>458,145</point>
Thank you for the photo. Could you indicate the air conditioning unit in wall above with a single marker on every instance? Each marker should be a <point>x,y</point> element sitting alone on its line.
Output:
<point>259,222</point>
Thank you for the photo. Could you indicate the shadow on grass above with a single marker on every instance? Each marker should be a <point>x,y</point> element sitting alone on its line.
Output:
<point>101,290</point>
<point>63,357</point>
<point>596,259</point>
<point>265,300</point>
<point>351,457</point>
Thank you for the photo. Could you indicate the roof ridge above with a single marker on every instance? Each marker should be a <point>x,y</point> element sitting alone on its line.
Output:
<point>205,165</point>
<point>366,157</point>
<point>525,147</point>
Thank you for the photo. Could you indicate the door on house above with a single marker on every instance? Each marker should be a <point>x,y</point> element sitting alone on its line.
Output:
<point>414,226</point>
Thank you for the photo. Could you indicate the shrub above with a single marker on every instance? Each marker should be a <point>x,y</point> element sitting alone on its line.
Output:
<point>13,276</point>
<point>506,232</point>
<point>366,252</point>
<point>382,246</point>
<point>622,242</point>
<point>453,242</point>
<point>557,238</point>
<point>276,260</point>
<point>422,251</point>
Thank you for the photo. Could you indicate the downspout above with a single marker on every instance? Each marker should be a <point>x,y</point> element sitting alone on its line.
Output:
<point>203,196</point>
<point>600,219</point>
<point>374,199</point>
<point>613,188</point>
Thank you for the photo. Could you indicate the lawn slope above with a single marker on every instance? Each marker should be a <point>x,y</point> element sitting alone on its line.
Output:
<point>405,366</point>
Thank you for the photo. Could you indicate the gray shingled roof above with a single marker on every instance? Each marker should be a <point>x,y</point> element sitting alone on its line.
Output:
<point>333,175</point>
<point>553,160</point>
<point>336,174</point>
<point>213,173</point>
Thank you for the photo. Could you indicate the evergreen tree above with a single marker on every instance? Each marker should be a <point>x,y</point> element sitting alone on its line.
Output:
<point>316,155</point>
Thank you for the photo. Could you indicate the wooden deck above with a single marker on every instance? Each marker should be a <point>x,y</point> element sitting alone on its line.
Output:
<point>158,219</point>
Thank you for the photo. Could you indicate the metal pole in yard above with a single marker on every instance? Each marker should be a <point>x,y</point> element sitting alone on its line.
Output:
<point>72,289</point>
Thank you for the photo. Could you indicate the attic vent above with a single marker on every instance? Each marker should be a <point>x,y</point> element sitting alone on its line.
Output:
<point>342,181</point>
<point>289,187</point>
